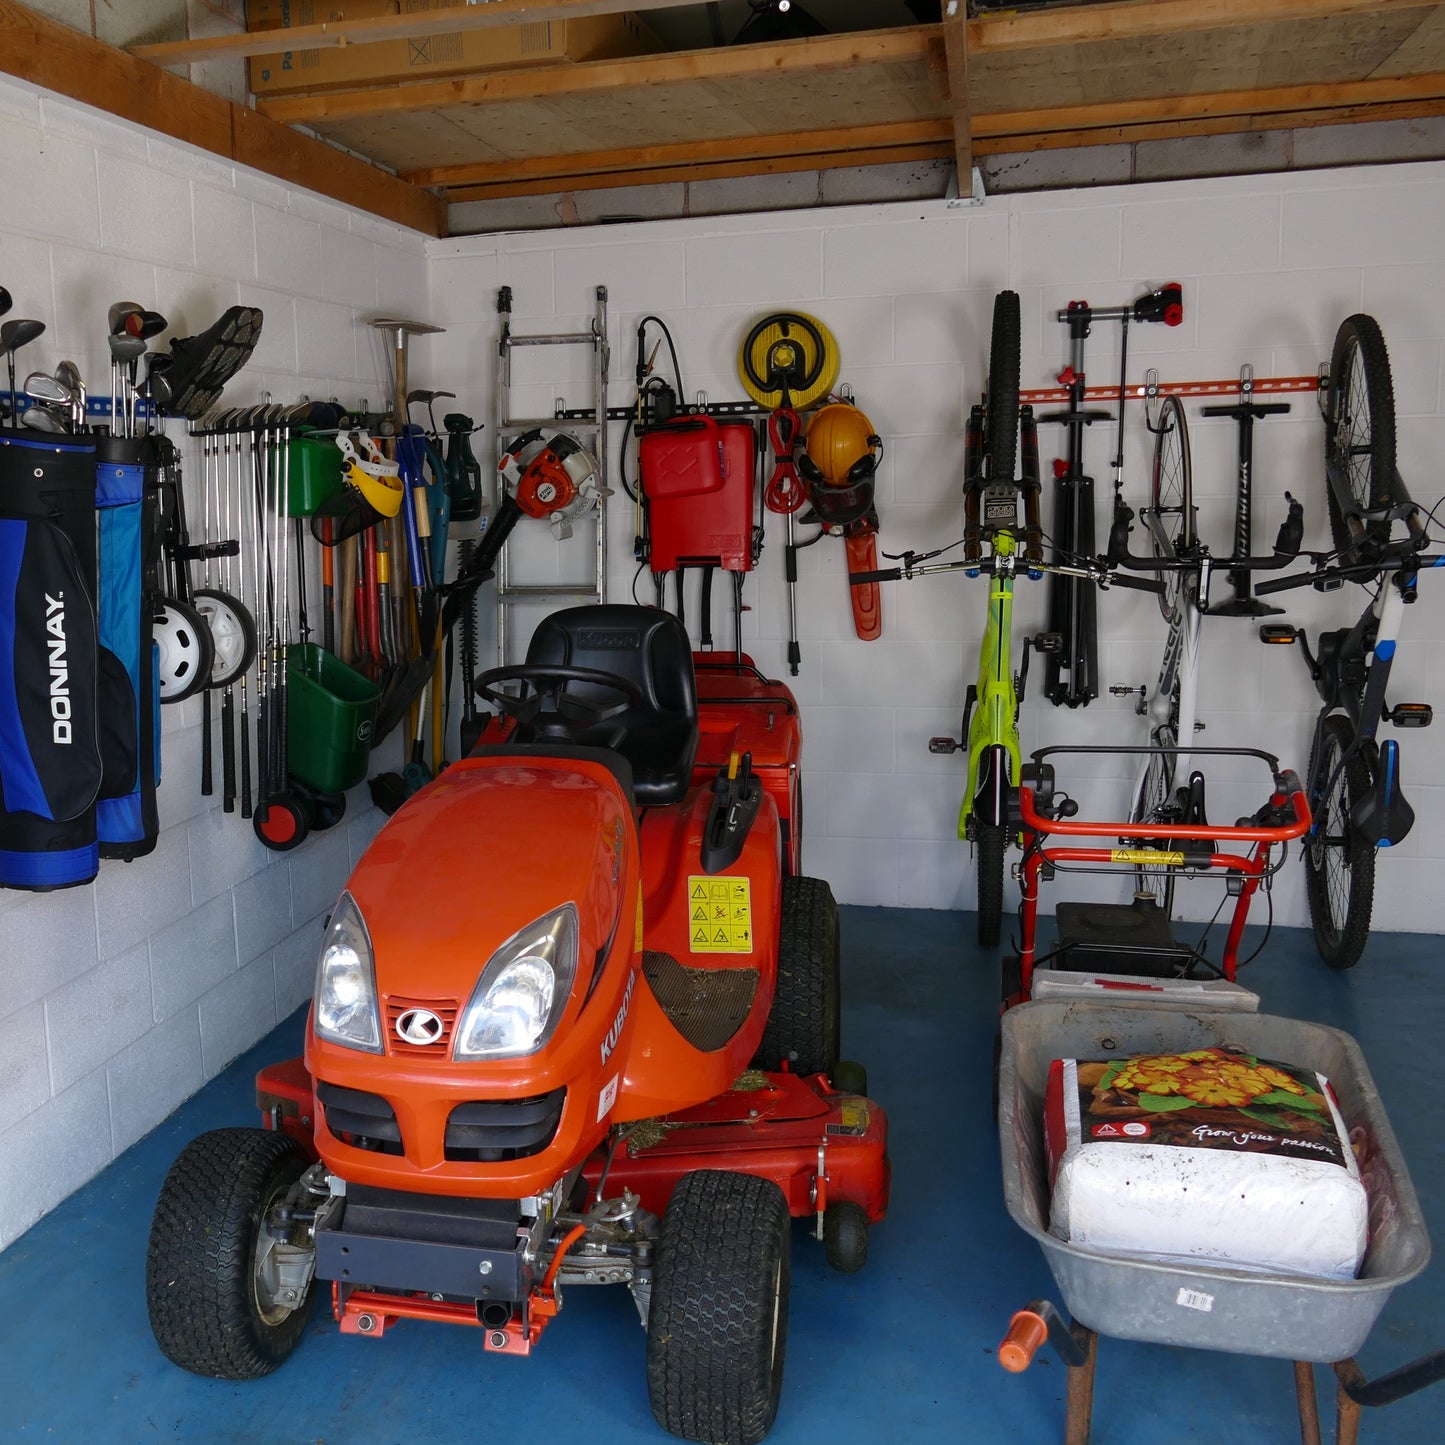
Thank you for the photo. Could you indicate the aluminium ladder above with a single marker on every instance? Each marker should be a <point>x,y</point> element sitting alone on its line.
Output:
<point>590,429</point>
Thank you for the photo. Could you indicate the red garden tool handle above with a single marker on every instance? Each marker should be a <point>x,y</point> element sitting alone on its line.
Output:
<point>784,492</point>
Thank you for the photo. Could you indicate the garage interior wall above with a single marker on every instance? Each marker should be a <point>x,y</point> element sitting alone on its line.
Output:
<point>119,1000</point>
<point>1270,266</point>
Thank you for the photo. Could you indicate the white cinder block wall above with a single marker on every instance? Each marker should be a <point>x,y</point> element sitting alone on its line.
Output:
<point>119,1000</point>
<point>1270,265</point>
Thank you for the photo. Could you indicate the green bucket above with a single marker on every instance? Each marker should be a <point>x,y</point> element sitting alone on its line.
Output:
<point>330,715</point>
<point>315,474</point>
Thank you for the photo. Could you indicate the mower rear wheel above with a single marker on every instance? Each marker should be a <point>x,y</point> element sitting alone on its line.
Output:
<point>212,1307</point>
<point>803,1025</point>
<point>845,1236</point>
<point>718,1323</point>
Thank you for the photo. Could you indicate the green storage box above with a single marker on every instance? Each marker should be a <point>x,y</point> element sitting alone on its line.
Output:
<point>315,473</point>
<point>330,715</point>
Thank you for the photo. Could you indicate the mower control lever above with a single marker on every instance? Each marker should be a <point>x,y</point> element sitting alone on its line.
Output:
<point>736,796</point>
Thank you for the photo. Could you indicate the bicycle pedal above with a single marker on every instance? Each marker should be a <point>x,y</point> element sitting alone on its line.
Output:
<point>1118,691</point>
<point>1411,715</point>
<point>943,745</point>
<point>1277,633</point>
<point>1050,642</point>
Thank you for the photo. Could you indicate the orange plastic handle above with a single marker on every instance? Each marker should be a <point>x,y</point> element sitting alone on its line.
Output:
<point>1026,1332</point>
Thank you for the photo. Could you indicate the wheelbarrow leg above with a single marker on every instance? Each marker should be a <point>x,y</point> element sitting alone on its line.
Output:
<point>1081,1388</point>
<point>1347,1428</point>
<point>1309,1405</point>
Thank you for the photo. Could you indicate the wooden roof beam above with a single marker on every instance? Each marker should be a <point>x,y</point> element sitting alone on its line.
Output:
<point>63,60</point>
<point>831,52</point>
<point>955,49</point>
<point>1235,105</point>
<point>1081,24</point>
<point>634,160</point>
<point>330,35</point>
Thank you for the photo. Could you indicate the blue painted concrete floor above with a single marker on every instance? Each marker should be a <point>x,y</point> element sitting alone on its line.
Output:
<point>902,1351</point>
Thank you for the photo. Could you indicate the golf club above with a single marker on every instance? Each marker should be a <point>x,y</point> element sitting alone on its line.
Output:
<point>14,335</point>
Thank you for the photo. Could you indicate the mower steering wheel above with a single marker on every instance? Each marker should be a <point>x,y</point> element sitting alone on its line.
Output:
<point>567,714</point>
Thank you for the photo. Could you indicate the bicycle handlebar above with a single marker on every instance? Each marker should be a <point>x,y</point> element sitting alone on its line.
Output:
<point>1286,546</point>
<point>1102,575</point>
<point>1362,571</point>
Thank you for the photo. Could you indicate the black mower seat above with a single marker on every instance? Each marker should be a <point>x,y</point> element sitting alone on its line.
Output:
<point>657,736</point>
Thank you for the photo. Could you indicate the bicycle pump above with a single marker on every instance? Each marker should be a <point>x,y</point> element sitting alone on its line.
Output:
<point>1073,607</point>
<point>1246,411</point>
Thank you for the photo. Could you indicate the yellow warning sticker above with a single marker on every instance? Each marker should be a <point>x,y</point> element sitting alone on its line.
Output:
<point>720,915</point>
<point>1148,857</point>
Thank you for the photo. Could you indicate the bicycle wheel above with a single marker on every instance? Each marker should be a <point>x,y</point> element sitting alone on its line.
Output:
<point>1360,426</point>
<point>1002,421</point>
<point>1172,497</point>
<point>1156,792</point>
<point>1339,864</point>
<point>990,842</point>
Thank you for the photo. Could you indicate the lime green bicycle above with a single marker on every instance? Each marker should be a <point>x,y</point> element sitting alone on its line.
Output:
<point>1001,437</point>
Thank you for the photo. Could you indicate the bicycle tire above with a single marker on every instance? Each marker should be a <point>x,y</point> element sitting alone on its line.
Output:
<point>991,842</point>
<point>1339,865</point>
<point>1156,789</point>
<point>1001,421</point>
<point>1360,426</point>
<point>1171,495</point>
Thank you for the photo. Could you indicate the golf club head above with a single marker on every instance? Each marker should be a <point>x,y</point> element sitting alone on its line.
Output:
<point>42,417</point>
<point>68,375</point>
<point>157,383</point>
<point>150,324</point>
<point>41,386</point>
<point>125,347</point>
<point>5,301</point>
<point>115,318</point>
<point>412,397</point>
<point>15,334</point>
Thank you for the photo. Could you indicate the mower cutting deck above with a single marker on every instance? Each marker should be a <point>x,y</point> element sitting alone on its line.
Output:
<point>576,1021</point>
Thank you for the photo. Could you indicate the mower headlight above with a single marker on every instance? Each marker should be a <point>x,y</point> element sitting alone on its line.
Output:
<point>522,990</point>
<point>346,1011</point>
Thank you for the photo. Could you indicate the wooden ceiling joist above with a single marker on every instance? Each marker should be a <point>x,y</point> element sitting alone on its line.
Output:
<point>49,54</point>
<point>416,24</point>
<point>955,50</point>
<point>786,58</point>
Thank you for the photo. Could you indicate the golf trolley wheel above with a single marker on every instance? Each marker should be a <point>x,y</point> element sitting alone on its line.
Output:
<point>1339,864</point>
<point>718,1323</point>
<point>233,634</point>
<point>803,1024</point>
<point>185,652</point>
<point>217,1305</point>
<point>845,1236</point>
<point>282,822</point>
<point>322,810</point>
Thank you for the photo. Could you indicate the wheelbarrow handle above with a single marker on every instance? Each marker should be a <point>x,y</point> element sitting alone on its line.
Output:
<point>1030,1327</point>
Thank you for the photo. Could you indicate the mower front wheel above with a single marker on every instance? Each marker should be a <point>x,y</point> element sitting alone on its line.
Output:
<point>803,1025</point>
<point>845,1236</point>
<point>718,1323</point>
<point>215,1305</point>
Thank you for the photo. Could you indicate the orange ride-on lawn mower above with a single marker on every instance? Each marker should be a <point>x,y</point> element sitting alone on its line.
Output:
<point>575,1022</point>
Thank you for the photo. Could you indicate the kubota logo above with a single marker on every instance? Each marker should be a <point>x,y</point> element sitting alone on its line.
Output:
<point>615,1032</point>
<point>59,669</point>
<point>419,1026</point>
